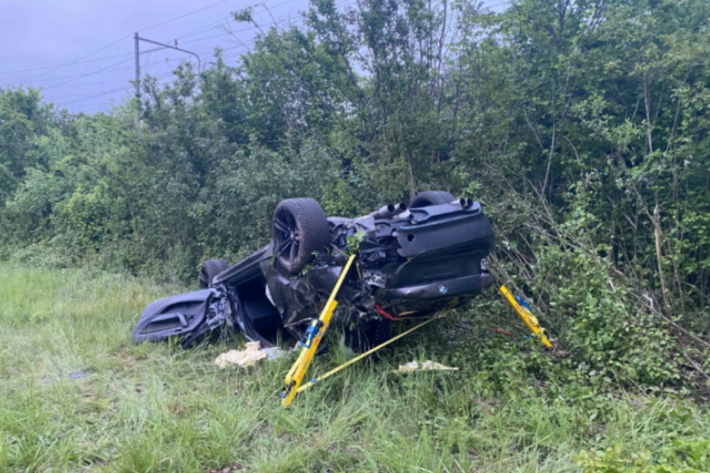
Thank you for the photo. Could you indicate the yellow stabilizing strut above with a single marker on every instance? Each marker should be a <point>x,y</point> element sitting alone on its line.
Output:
<point>311,340</point>
<point>522,309</point>
<point>363,355</point>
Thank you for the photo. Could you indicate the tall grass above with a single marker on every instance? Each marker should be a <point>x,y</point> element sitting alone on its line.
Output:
<point>76,395</point>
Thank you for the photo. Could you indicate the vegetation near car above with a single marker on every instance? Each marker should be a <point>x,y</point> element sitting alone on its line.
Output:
<point>582,127</point>
<point>69,373</point>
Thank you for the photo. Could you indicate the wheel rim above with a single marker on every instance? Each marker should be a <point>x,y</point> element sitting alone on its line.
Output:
<point>286,236</point>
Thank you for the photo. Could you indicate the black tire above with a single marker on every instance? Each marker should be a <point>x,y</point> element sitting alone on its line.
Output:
<point>299,228</point>
<point>427,198</point>
<point>210,269</point>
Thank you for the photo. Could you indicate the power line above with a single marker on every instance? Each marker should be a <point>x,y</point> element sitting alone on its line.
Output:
<point>183,16</point>
<point>197,31</point>
<point>227,18</point>
<point>112,67</point>
<point>67,64</point>
<point>204,28</point>
<point>74,76</point>
<point>102,94</point>
<point>244,45</point>
<point>79,61</point>
<point>274,23</point>
<point>83,94</point>
<point>90,73</point>
<point>112,70</point>
<point>82,60</point>
<point>93,83</point>
<point>104,70</point>
<point>54,78</point>
<point>95,108</point>
<point>256,26</point>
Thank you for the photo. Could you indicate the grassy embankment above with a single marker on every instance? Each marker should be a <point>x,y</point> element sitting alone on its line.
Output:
<point>159,408</point>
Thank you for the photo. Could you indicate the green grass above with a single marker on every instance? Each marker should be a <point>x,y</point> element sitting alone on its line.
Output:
<point>156,407</point>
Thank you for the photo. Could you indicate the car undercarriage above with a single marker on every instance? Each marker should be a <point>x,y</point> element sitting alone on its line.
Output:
<point>412,260</point>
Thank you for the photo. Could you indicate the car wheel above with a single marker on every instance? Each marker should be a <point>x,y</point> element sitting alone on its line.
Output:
<point>427,198</point>
<point>210,269</point>
<point>299,228</point>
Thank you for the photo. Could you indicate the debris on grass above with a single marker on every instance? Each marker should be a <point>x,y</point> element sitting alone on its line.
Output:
<point>248,357</point>
<point>229,469</point>
<point>428,365</point>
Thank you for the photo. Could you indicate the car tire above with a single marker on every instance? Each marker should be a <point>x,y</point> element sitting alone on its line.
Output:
<point>427,198</point>
<point>298,229</point>
<point>210,269</point>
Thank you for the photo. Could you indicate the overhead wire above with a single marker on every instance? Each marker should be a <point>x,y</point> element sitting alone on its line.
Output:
<point>264,25</point>
<point>205,28</point>
<point>90,73</point>
<point>111,68</point>
<point>197,31</point>
<point>227,18</point>
<point>249,27</point>
<point>97,83</point>
<point>50,69</point>
<point>83,94</point>
<point>103,94</point>
<point>94,96</point>
<point>67,64</point>
<point>81,59</point>
<point>74,78</point>
<point>184,16</point>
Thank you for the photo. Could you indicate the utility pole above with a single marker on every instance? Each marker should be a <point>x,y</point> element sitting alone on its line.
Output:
<point>136,39</point>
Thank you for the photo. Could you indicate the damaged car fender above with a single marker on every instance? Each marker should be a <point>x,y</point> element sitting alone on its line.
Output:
<point>186,316</point>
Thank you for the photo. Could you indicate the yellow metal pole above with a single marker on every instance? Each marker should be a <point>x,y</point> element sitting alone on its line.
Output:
<point>298,370</point>
<point>363,355</point>
<point>528,318</point>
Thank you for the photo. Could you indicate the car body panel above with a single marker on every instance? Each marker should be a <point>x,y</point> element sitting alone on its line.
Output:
<point>246,269</point>
<point>174,316</point>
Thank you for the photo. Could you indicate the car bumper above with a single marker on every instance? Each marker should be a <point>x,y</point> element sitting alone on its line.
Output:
<point>434,295</point>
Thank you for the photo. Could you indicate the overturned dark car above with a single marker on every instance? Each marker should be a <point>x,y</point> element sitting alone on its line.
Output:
<point>412,260</point>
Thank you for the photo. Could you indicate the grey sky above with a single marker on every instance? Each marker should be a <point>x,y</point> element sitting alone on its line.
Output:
<point>39,33</point>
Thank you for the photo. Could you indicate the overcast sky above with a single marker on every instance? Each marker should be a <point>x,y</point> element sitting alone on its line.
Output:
<point>37,34</point>
<point>81,52</point>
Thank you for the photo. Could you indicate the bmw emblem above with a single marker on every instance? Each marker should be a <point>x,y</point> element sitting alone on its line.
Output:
<point>442,289</point>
